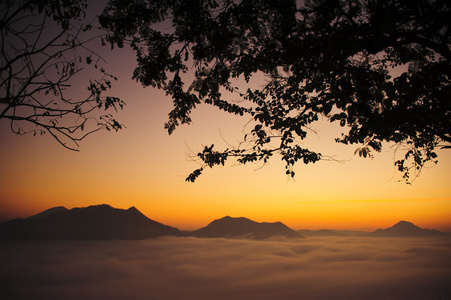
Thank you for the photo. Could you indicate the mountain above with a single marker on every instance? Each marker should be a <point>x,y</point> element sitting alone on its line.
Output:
<point>94,222</point>
<point>407,229</point>
<point>48,212</point>
<point>229,227</point>
<point>330,232</point>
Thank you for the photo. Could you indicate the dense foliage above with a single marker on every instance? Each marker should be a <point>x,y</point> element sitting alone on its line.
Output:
<point>381,68</point>
<point>44,44</point>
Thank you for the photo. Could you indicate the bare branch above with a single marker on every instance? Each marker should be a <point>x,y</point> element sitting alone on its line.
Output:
<point>42,50</point>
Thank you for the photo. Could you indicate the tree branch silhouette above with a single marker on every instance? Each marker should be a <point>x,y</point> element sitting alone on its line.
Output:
<point>331,59</point>
<point>44,47</point>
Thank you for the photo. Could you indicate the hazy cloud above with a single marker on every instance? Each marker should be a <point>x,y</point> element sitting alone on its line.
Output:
<point>192,268</point>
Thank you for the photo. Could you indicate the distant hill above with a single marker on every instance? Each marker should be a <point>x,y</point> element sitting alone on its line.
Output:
<point>401,229</point>
<point>330,232</point>
<point>102,222</point>
<point>407,229</point>
<point>93,222</point>
<point>47,212</point>
<point>229,227</point>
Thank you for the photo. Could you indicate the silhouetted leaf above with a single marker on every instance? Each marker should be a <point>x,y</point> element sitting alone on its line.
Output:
<point>332,59</point>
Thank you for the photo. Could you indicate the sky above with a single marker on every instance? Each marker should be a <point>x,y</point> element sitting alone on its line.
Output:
<point>143,166</point>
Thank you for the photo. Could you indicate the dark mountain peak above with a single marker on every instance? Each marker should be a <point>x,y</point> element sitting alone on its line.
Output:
<point>92,222</point>
<point>228,219</point>
<point>405,228</point>
<point>48,212</point>
<point>228,227</point>
<point>404,222</point>
<point>405,225</point>
<point>97,207</point>
<point>134,211</point>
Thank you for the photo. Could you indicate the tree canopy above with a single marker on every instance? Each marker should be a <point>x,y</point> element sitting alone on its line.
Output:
<point>44,44</point>
<point>380,68</point>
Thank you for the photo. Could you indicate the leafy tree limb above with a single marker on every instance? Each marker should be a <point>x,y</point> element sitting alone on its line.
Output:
<point>330,59</point>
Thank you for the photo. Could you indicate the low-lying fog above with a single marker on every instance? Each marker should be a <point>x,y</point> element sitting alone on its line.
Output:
<point>194,268</point>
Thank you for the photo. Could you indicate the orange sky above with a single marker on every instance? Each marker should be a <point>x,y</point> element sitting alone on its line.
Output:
<point>144,167</point>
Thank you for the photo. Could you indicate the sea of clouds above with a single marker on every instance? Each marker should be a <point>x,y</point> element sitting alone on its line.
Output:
<point>194,268</point>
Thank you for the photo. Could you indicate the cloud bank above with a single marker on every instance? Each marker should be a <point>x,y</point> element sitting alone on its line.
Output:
<point>193,268</point>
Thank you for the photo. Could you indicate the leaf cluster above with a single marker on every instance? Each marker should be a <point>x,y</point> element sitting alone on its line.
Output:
<point>334,59</point>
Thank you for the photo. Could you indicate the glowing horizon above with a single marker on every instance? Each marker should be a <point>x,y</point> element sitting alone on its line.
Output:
<point>143,166</point>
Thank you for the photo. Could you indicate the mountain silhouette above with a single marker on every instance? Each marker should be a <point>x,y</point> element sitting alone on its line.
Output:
<point>48,212</point>
<point>94,222</point>
<point>229,227</point>
<point>407,229</point>
<point>331,232</point>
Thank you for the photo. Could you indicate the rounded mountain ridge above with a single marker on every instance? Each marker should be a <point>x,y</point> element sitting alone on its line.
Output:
<point>405,228</point>
<point>228,227</point>
<point>93,222</point>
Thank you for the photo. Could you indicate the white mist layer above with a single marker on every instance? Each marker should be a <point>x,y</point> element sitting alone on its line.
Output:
<point>192,268</point>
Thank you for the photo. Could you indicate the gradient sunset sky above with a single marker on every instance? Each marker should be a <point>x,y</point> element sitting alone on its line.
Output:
<point>143,166</point>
